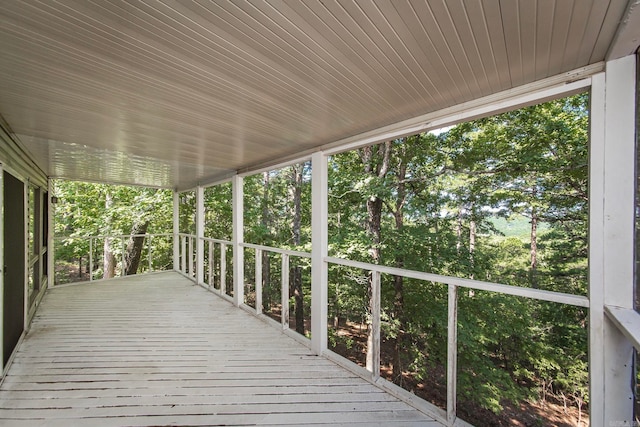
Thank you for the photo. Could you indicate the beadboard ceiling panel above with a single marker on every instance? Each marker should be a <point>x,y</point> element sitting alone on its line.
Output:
<point>171,93</point>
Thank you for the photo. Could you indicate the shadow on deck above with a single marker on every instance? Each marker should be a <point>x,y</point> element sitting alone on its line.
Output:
<point>157,350</point>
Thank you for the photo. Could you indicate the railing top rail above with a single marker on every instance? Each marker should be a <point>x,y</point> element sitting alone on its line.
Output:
<point>277,250</point>
<point>538,294</point>
<point>115,236</point>
<point>186,235</point>
<point>221,241</point>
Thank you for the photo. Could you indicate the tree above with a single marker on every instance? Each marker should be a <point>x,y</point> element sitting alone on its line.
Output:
<point>86,209</point>
<point>295,197</point>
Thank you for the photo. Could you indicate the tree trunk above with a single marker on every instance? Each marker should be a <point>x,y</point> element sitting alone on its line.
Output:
<point>459,231</point>
<point>534,250</point>
<point>109,257</point>
<point>133,252</point>
<point>472,244</point>
<point>295,195</point>
<point>266,282</point>
<point>378,167</point>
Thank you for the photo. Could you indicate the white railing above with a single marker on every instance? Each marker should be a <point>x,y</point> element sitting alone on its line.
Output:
<point>215,262</point>
<point>214,276</point>
<point>453,284</point>
<point>187,255</point>
<point>286,255</point>
<point>94,253</point>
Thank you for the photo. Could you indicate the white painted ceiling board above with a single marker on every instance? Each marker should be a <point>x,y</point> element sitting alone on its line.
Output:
<point>184,92</point>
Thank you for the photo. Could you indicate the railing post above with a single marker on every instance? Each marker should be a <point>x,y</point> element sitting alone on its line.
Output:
<point>238,239</point>
<point>211,263</point>
<point>319,251</point>
<point>90,259</point>
<point>183,260</point>
<point>452,353</point>
<point>176,231</point>
<point>284,317</point>
<point>223,268</point>
<point>149,242</point>
<point>124,248</point>
<point>373,341</point>
<point>190,254</point>
<point>200,235</point>
<point>258,276</point>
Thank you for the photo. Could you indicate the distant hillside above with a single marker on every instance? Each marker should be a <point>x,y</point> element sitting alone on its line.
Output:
<point>518,226</point>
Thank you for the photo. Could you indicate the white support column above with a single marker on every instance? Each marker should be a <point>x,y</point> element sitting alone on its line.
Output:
<point>39,236</point>
<point>200,235</point>
<point>238,239</point>
<point>319,251</point>
<point>596,251</point>
<point>2,271</point>
<point>176,230</point>
<point>611,244</point>
<point>27,255</point>
<point>51,250</point>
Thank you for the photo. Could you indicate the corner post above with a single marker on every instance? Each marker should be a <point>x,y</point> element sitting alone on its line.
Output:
<point>1,271</point>
<point>200,235</point>
<point>611,241</point>
<point>176,231</point>
<point>51,250</point>
<point>319,251</point>
<point>238,239</point>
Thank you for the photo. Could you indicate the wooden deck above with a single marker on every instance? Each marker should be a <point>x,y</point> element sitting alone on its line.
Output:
<point>157,350</point>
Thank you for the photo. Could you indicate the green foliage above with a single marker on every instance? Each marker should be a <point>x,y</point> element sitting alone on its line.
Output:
<point>458,195</point>
<point>218,210</point>
<point>461,203</point>
<point>82,211</point>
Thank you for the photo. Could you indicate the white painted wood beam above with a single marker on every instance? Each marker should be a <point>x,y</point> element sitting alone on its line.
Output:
<point>237,239</point>
<point>2,271</point>
<point>51,274</point>
<point>611,239</point>
<point>627,321</point>
<point>27,255</point>
<point>319,251</point>
<point>176,231</point>
<point>199,235</point>
<point>619,222</point>
<point>627,38</point>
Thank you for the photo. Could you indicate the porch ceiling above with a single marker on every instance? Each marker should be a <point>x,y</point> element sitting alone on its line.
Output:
<point>168,93</point>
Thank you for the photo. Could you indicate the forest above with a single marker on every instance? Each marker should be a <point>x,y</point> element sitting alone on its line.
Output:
<point>502,199</point>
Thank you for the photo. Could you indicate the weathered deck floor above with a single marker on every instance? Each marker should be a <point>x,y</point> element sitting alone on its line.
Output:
<point>157,350</point>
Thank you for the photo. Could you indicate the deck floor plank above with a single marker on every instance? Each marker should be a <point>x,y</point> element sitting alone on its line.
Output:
<point>156,350</point>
